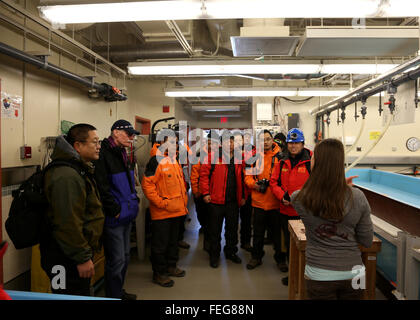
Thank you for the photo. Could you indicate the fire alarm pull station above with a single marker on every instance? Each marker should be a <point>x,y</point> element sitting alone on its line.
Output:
<point>25,152</point>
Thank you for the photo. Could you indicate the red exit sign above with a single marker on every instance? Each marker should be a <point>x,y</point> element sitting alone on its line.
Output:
<point>165,109</point>
<point>223,119</point>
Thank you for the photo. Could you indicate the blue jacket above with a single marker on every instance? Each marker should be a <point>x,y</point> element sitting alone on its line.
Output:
<point>114,175</point>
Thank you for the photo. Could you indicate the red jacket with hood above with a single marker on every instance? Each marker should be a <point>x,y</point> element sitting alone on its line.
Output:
<point>215,185</point>
<point>290,179</point>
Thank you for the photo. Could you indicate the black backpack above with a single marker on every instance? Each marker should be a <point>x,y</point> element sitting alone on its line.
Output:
<point>27,223</point>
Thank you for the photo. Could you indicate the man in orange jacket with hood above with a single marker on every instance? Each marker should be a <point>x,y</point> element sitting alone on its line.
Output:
<point>164,186</point>
<point>264,203</point>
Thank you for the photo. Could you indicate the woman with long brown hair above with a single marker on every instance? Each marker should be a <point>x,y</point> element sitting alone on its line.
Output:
<point>337,219</point>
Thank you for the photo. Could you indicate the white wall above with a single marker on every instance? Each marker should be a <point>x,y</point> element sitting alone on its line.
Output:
<point>47,100</point>
<point>395,137</point>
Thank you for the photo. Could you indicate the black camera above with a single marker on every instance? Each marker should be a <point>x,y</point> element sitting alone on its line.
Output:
<point>263,185</point>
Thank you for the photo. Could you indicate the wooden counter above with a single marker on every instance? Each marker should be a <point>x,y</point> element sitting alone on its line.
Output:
<point>297,263</point>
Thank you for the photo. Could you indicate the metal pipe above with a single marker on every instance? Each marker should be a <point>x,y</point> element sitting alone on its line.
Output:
<point>52,45</point>
<point>158,50</point>
<point>62,35</point>
<point>414,74</point>
<point>386,76</point>
<point>43,64</point>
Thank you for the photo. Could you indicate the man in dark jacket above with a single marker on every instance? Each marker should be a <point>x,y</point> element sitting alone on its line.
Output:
<point>74,212</point>
<point>114,172</point>
<point>221,183</point>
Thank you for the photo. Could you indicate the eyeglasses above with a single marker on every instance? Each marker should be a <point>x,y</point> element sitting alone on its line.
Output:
<point>95,142</point>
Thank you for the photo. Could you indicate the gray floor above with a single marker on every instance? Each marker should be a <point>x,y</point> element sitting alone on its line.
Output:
<point>228,281</point>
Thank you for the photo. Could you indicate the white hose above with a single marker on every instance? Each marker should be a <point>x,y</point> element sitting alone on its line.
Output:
<point>372,146</point>
<point>358,137</point>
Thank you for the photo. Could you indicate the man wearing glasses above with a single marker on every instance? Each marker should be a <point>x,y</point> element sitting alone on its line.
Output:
<point>114,173</point>
<point>75,211</point>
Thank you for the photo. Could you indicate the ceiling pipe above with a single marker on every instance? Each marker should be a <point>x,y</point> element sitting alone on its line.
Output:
<point>152,50</point>
<point>103,89</point>
<point>409,76</point>
<point>332,105</point>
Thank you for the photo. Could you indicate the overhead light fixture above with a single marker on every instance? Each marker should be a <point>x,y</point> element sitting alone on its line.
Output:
<point>210,108</point>
<point>254,92</point>
<point>241,67</point>
<point>226,9</point>
<point>219,68</point>
<point>357,68</point>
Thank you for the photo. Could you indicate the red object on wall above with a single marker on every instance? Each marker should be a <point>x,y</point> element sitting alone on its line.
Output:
<point>1,236</point>
<point>223,119</point>
<point>165,109</point>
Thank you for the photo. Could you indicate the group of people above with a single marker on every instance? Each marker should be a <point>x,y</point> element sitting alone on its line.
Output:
<point>260,196</point>
<point>93,201</point>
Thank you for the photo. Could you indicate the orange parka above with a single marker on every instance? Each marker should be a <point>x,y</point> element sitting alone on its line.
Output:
<point>266,201</point>
<point>163,185</point>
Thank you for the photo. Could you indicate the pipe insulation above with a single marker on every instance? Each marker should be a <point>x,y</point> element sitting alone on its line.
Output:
<point>102,89</point>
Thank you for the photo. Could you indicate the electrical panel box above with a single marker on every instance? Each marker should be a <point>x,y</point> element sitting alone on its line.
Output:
<point>293,120</point>
<point>25,152</point>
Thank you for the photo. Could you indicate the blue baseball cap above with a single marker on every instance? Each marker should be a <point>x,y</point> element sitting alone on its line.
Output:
<point>124,125</point>
<point>295,135</point>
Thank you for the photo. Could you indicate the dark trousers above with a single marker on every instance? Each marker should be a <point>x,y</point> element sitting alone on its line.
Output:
<point>246,226</point>
<point>181,228</point>
<point>217,213</point>
<point>164,245</point>
<point>267,220</point>
<point>332,290</point>
<point>64,280</point>
<point>117,257</point>
<point>284,223</point>
<point>202,210</point>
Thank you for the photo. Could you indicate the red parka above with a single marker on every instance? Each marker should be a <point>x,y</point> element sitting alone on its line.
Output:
<point>213,180</point>
<point>289,180</point>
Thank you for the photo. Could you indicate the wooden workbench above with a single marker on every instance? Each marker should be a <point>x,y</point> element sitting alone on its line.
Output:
<point>297,263</point>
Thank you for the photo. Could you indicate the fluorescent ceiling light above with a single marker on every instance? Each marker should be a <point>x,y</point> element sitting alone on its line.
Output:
<point>211,108</point>
<point>226,9</point>
<point>358,68</point>
<point>125,11</point>
<point>241,67</point>
<point>256,92</point>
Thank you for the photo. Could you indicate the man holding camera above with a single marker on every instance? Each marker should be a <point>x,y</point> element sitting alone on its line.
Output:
<point>264,203</point>
<point>288,176</point>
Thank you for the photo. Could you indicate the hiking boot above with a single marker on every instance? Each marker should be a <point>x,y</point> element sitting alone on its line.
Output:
<point>247,247</point>
<point>282,267</point>
<point>253,264</point>
<point>285,281</point>
<point>128,296</point>
<point>163,280</point>
<point>214,262</point>
<point>234,258</point>
<point>182,244</point>
<point>176,272</point>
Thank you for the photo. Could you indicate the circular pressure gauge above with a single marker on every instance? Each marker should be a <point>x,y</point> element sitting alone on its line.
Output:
<point>413,144</point>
